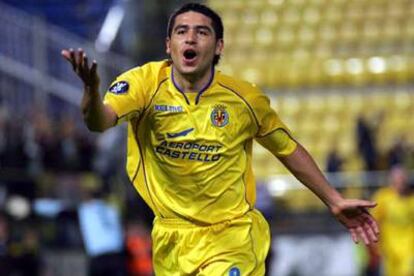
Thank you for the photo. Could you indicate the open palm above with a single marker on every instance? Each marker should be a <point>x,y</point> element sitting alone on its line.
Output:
<point>80,64</point>
<point>353,214</point>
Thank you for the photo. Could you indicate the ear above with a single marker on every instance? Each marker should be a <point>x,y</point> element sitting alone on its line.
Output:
<point>219,46</point>
<point>167,46</point>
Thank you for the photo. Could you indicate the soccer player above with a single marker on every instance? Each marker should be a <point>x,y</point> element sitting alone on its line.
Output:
<point>190,149</point>
<point>395,216</point>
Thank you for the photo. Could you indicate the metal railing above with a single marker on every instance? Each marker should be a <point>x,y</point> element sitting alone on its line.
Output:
<point>31,67</point>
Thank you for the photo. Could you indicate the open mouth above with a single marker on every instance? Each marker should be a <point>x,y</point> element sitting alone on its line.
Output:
<point>189,54</point>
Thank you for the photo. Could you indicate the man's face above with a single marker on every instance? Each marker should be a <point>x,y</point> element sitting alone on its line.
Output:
<point>193,44</point>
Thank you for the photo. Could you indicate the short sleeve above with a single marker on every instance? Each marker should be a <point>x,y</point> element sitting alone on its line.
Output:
<point>267,118</point>
<point>278,142</point>
<point>126,95</point>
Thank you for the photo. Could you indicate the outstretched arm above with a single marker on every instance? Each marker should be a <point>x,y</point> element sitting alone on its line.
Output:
<point>352,213</point>
<point>97,115</point>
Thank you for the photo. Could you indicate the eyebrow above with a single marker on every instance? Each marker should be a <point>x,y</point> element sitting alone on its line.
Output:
<point>198,27</point>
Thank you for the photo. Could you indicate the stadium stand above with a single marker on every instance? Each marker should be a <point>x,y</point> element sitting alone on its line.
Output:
<point>324,63</point>
<point>312,43</point>
<point>32,67</point>
<point>76,16</point>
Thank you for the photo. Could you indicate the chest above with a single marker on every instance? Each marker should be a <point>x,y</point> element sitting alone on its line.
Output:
<point>400,211</point>
<point>215,117</point>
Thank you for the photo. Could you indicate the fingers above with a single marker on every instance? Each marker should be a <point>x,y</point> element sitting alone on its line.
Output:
<point>363,235</point>
<point>354,235</point>
<point>365,228</point>
<point>69,56</point>
<point>79,57</point>
<point>65,54</point>
<point>372,237</point>
<point>80,64</point>
<point>85,61</point>
<point>362,226</point>
<point>76,58</point>
<point>83,64</point>
<point>371,226</point>
<point>94,68</point>
<point>371,221</point>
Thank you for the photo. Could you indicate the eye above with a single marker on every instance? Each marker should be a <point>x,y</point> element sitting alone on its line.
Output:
<point>180,31</point>
<point>203,32</point>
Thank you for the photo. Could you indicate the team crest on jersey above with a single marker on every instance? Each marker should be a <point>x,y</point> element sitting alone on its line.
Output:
<point>120,87</point>
<point>219,116</point>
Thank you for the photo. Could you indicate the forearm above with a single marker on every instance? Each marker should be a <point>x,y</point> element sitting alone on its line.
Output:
<point>95,113</point>
<point>304,168</point>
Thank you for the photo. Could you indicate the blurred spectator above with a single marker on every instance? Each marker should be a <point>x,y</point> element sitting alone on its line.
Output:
<point>334,162</point>
<point>102,233</point>
<point>61,146</point>
<point>6,265</point>
<point>86,151</point>
<point>68,143</point>
<point>366,143</point>
<point>3,137</point>
<point>110,155</point>
<point>265,203</point>
<point>398,153</point>
<point>395,215</point>
<point>138,247</point>
<point>26,253</point>
<point>410,156</point>
<point>49,144</point>
<point>13,151</point>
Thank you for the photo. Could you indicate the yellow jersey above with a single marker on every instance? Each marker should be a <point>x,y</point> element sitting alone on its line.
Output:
<point>395,216</point>
<point>189,154</point>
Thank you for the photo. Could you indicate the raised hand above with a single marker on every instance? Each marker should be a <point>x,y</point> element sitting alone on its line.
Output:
<point>80,64</point>
<point>353,214</point>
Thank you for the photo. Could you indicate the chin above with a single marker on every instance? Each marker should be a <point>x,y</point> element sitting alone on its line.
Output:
<point>184,70</point>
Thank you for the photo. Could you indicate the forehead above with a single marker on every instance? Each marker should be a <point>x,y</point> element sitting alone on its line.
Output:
<point>193,18</point>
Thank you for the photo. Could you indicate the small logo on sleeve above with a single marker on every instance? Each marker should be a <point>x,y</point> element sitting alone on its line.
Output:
<point>219,116</point>
<point>120,87</point>
<point>234,271</point>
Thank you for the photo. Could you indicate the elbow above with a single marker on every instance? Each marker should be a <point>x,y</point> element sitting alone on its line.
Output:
<point>94,128</point>
<point>94,125</point>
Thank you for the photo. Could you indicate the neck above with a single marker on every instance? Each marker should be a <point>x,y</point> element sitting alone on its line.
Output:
<point>192,82</point>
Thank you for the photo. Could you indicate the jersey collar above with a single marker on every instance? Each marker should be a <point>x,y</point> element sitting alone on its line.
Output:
<point>199,93</point>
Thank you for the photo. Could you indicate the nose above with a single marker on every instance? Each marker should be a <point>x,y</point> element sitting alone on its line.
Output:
<point>191,37</point>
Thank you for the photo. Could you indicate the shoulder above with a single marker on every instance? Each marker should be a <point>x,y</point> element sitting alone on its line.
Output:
<point>250,93</point>
<point>151,72</point>
<point>142,80</point>
<point>241,87</point>
<point>384,194</point>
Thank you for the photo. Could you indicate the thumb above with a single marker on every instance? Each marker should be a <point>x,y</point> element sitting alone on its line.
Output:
<point>364,203</point>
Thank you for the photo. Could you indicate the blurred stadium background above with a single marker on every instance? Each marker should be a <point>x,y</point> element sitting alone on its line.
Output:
<point>339,72</point>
